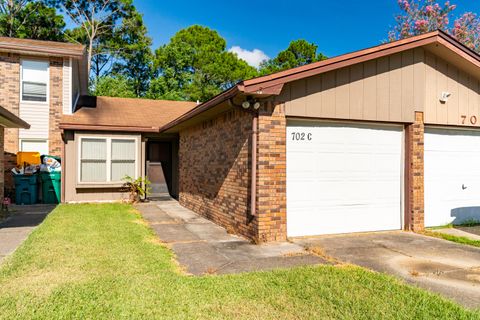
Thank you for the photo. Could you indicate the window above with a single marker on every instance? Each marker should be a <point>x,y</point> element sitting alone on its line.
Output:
<point>34,81</point>
<point>107,159</point>
<point>123,158</point>
<point>30,145</point>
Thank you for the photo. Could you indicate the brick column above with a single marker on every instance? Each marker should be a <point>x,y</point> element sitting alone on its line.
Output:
<point>2,164</point>
<point>10,100</point>
<point>56,106</point>
<point>414,175</point>
<point>271,173</point>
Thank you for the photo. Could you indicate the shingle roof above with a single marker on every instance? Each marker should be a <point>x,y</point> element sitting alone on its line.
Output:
<point>126,114</point>
<point>41,47</point>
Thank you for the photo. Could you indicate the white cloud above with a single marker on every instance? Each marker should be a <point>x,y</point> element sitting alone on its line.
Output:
<point>253,58</point>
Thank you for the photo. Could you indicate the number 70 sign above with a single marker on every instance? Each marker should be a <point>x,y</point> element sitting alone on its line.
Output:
<point>468,120</point>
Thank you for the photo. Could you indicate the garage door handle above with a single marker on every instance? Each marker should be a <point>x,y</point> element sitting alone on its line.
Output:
<point>463,187</point>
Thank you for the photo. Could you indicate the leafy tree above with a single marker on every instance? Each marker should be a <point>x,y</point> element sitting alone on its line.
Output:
<point>135,61</point>
<point>421,16</point>
<point>466,29</point>
<point>31,20</point>
<point>195,65</point>
<point>110,86</point>
<point>96,22</point>
<point>164,88</point>
<point>299,53</point>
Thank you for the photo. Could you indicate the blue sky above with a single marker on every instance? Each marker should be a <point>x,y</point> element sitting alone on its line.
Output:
<point>337,27</point>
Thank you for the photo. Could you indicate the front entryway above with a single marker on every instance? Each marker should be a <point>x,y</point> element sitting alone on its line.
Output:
<point>452,176</point>
<point>343,178</point>
<point>159,167</point>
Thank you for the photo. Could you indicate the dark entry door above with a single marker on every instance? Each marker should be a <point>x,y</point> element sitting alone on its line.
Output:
<point>159,167</point>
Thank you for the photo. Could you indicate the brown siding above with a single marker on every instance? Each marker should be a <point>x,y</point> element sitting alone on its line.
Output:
<point>386,89</point>
<point>77,193</point>
<point>462,108</point>
<point>214,171</point>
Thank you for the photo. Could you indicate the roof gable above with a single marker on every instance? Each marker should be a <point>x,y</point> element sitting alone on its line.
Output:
<point>438,42</point>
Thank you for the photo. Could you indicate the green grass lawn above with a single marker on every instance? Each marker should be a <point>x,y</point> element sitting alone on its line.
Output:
<point>102,261</point>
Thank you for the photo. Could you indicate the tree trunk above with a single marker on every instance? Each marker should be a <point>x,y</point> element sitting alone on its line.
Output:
<point>90,53</point>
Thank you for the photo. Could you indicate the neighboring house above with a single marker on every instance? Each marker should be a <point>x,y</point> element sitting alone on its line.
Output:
<point>41,81</point>
<point>109,138</point>
<point>385,138</point>
<point>7,120</point>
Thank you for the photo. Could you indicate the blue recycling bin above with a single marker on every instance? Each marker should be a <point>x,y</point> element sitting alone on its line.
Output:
<point>26,189</point>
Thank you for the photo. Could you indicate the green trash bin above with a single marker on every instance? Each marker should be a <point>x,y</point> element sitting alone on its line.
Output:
<point>51,186</point>
<point>25,189</point>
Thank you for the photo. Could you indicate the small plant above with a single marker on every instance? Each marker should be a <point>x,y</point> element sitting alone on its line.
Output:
<point>137,188</point>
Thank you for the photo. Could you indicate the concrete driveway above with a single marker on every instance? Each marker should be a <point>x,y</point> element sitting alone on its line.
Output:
<point>444,267</point>
<point>16,228</point>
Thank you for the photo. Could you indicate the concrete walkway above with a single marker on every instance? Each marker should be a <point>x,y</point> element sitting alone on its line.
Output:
<point>203,247</point>
<point>448,268</point>
<point>472,233</point>
<point>15,229</point>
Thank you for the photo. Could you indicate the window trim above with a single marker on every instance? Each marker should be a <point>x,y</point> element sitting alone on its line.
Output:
<point>108,139</point>
<point>47,102</point>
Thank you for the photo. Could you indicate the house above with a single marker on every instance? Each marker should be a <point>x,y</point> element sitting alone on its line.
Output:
<point>7,120</point>
<point>385,138</point>
<point>41,80</point>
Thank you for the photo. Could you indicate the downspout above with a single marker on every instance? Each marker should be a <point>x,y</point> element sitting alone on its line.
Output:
<point>253,188</point>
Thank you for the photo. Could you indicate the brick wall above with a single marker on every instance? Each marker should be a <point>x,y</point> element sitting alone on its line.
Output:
<point>214,171</point>
<point>414,215</point>
<point>56,106</point>
<point>271,184</point>
<point>10,100</point>
<point>2,175</point>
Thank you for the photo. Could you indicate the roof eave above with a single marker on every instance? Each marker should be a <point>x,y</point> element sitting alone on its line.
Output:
<point>87,127</point>
<point>12,121</point>
<point>203,107</point>
<point>38,50</point>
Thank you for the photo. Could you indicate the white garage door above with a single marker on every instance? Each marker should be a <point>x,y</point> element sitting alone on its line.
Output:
<point>452,176</point>
<point>343,178</point>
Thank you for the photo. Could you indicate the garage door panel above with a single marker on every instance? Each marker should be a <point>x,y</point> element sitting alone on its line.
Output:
<point>452,176</point>
<point>353,218</point>
<point>355,179</point>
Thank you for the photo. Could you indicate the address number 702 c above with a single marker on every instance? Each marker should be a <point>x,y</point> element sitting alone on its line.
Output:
<point>301,136</point>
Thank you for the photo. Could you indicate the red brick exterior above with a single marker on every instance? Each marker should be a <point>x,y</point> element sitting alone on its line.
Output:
<point>2,174</point>
<point>215,178</point>
<point>10,99</point>
<point>56,106</point>
<point>414,182</point>
<point>272,174</point>
<point>214,171</point>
